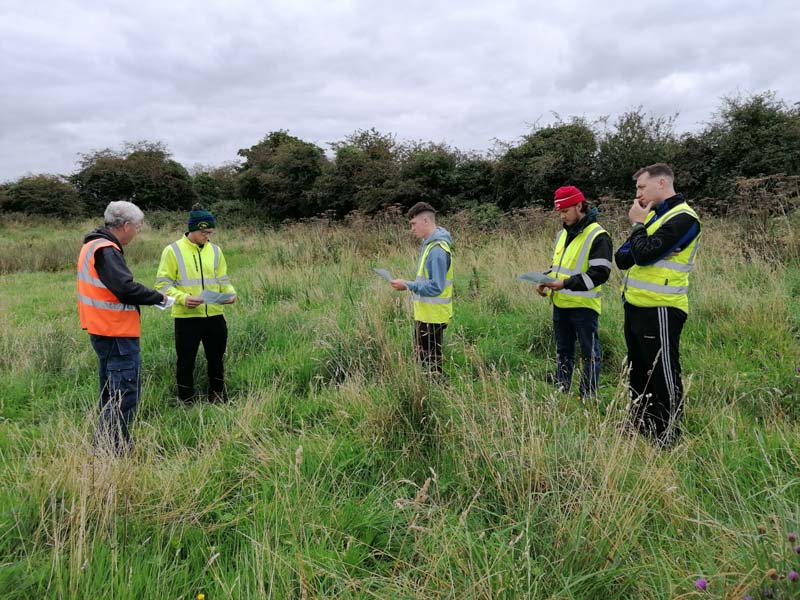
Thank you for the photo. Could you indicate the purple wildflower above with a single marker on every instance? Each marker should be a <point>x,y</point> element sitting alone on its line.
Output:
<point>701,584</point>
<point>793,575</point>
<point>797,549</point>
<point>792,536</point>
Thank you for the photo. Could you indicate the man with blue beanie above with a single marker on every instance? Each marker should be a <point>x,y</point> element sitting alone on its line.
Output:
<point>189,267</point>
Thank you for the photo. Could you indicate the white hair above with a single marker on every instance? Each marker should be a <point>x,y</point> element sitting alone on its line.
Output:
<point>120,212</point>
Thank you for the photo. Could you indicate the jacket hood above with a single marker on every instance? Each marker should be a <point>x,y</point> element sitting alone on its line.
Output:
<point>102,232</point>
<point>440,234</point>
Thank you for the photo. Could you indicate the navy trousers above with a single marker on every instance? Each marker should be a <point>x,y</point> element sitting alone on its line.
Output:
<point>581,325</point>
<point>119,373</point>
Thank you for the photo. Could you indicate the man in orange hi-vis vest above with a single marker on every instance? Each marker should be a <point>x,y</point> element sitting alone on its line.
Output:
<point>108,304</point>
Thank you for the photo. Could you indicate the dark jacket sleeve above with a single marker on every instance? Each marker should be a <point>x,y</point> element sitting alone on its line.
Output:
<point>117,277</point>
<point>642,249</point>
<point>647,249</point>
<point>600,254</point>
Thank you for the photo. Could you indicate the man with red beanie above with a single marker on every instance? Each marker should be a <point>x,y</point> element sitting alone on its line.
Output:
<point>581,265</point>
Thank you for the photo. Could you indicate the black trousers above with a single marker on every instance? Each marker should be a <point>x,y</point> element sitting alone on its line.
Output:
<point>428,339</point>
<point>653,338</point>
<point>189,333</point>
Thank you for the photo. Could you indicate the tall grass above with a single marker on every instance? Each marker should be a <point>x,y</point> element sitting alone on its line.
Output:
<point>340,471</point>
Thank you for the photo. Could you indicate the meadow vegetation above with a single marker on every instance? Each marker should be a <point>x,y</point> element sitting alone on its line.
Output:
<point>339,471</point>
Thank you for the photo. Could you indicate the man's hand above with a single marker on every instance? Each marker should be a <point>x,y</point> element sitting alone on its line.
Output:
<point>230,300</point>
<point>193,301</point>
<point>558,284</point>
<point>540,289</point>
<point>638,213</point>
<point>398,284</point>
<point>163,298</point>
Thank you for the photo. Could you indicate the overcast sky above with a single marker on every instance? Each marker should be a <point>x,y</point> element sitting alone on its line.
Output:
<point>208,78</point>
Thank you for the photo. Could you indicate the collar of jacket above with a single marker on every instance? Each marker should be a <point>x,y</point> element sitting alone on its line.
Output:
<point>669,204</point>
<point>191,243</point>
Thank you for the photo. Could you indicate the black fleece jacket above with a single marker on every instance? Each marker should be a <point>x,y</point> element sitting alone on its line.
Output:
<point>601,248</point>
<point>115,274</point>
<point>674,235</point>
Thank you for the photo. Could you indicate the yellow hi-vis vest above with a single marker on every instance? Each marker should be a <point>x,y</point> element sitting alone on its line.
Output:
<point>186,269</point>
<point>666,282</point>
<point>574,260</point>
<point>434,309</point>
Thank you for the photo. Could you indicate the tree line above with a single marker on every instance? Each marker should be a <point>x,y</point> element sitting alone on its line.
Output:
<point>283,177</point>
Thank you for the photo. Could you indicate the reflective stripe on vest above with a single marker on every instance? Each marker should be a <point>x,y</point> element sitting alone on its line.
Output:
<point>185,280</point>
<point>434,309</point>
<point>100,311</point>
<point>665,282</point>
<point>188,269</point>
<point>574,260</point>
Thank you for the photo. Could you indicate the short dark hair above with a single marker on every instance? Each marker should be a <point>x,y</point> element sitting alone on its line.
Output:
<point>655,170</point>
<point>420,207</point>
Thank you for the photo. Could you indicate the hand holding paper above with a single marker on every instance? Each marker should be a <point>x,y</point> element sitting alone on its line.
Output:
<point>168,301</point>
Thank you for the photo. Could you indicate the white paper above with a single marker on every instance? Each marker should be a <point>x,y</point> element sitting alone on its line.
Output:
<point>170,301</point>
<point>384,273</point>
<point>210,297</point>
<point>534,277</point>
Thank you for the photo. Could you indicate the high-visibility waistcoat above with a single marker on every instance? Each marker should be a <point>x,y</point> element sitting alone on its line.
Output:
<point>186,269</point>
<point>434,309</point>
<point>574,260</point>
<point>100,311</point>
<point>666,282</point>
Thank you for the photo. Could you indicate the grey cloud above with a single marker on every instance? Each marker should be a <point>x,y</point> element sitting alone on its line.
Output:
<point>209,78</point>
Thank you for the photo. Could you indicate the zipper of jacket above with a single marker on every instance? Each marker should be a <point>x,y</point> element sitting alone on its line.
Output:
<point>202,278</point>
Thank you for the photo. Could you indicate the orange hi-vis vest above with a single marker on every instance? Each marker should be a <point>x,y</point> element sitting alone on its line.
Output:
<point>100,310</point>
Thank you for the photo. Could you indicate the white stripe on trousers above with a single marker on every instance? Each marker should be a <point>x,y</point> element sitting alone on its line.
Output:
<point>666,362</point>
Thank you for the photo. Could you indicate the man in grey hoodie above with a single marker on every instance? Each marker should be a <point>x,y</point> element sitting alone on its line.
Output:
<point>432,288</point>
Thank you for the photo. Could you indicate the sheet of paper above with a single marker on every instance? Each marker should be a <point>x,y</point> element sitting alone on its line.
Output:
<point>534,277</point>
<point>210,297</point>
<point>384,273</point>
<point>170,301</point>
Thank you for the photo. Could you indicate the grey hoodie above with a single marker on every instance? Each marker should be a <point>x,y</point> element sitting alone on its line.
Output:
<point>437,264</point>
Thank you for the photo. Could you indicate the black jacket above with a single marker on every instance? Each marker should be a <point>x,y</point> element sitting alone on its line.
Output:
<point>601,248</point>
<point>115,274</point>
<point>642,249</point>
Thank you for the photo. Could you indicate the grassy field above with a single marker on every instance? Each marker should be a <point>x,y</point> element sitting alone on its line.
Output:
<point>338,471</point>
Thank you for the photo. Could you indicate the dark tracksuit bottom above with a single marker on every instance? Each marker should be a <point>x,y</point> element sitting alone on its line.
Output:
<point>569,325</point>
<point>189,333</point>
<point>428,338</point>
<point>652,335</point>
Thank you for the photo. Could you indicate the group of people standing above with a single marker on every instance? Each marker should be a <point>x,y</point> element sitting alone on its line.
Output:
<point>658,256</point>
<point>108,304</point>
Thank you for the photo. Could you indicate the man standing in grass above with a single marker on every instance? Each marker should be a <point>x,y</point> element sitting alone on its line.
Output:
<point>108,305</point>
<point>433,287</point>
<point>581,265</point>
<point>189,267</point>
<point>659,255</point>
